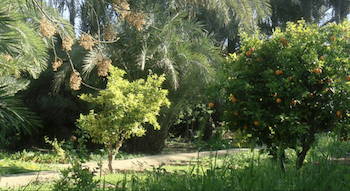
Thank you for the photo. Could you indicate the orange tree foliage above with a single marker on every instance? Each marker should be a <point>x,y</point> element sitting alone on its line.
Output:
<point>284,88</point>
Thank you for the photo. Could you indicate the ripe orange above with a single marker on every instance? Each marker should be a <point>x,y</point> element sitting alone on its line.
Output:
<point>278,100</point>
<point>248,53</point>
<point>252,49</point>
<point>245,127</point>
<point>290,78</point>
<point>321,57</point>
<point>256,123</point>
<point>332,37</point>
<point>320,81</point>
<point>330,80</point>
<point>283,40</point>
<point>293,102</point>
<point>325,89</point>
<point>234,100</point>
<point>236,113</point>
<point>347,78</point>
<point>310,95</point>
<point>339,114</point>
<point>275,95</point>
<point>317,70</point>
<point>278,72</point>
<point>211,104</point>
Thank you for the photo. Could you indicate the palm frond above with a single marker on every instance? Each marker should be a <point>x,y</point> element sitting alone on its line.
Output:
<point>141,60</point>
<point>91,58</point>
<point>12,85</point>
<point>170,71</point>
<point>14,117</point>
<point>60,77</point>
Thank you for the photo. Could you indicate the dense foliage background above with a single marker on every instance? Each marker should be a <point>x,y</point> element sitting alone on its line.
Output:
<point>47,61</point>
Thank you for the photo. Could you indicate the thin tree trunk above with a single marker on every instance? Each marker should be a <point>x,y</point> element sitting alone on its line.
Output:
<point>302,154</point>
<point>306,145</point>
<point>111,154</point>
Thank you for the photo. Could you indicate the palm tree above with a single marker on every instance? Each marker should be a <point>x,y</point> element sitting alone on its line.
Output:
<point>177,37</point>
<point>341,9</point>
<point>22,57</point>
<point>224,18</point>
<point>312,11</point>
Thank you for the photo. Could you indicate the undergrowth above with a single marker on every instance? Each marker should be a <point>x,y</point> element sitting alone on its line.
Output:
<point>245,170</point>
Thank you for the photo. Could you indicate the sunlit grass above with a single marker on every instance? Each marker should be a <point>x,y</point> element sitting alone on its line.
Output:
<point>9,166</point>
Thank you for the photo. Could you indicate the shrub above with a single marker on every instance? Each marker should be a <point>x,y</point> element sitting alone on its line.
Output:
<point>283,89</point>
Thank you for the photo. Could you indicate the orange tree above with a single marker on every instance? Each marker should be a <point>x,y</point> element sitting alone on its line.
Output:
<point>284,88</point>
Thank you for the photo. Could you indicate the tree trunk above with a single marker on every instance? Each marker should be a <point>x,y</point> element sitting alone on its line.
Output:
<point>111,154</point>
<point>306,145</point>
<point>301,155</point>
<point>282,158</point>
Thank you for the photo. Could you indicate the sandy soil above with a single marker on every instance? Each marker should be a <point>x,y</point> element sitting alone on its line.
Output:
<point>137,164</point>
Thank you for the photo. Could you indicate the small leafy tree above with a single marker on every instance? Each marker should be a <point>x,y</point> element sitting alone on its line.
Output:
<point>122,108</point>
<point>284,88</point>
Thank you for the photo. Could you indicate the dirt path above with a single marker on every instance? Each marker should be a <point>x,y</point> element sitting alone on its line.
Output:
<point>137,164</point>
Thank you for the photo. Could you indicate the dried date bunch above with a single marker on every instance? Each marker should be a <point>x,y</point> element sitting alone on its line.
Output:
<point>47,28</point>
<point>75,80</point>
<point>87,41</point>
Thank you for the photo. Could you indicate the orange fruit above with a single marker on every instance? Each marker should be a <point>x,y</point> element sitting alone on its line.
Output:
<point>235,124</point>
<point>245,127</point>
<point>283,40</point>
<point>293,102</point>
<point>339,113</point>
<point>211,104</point>
<point>332,37</point>
<point>290,78</point>
<point>330,80</point>
<point>321,57</point>
<point>341,139</point>
<point>325,90</point>
<point>259,59</point>
<point>285,44</point>
<point>310,95</point>
<point>256,123</point>
<point>278,72</point>
<point>320,81</point>
<point>248,53</point>
<point>278,100</point>
<point>348,78</point>
<point>236,113</point>
<point>234,100</point>
<point>252,49</point>
<point>275,95</point>
<point>317,70</point>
